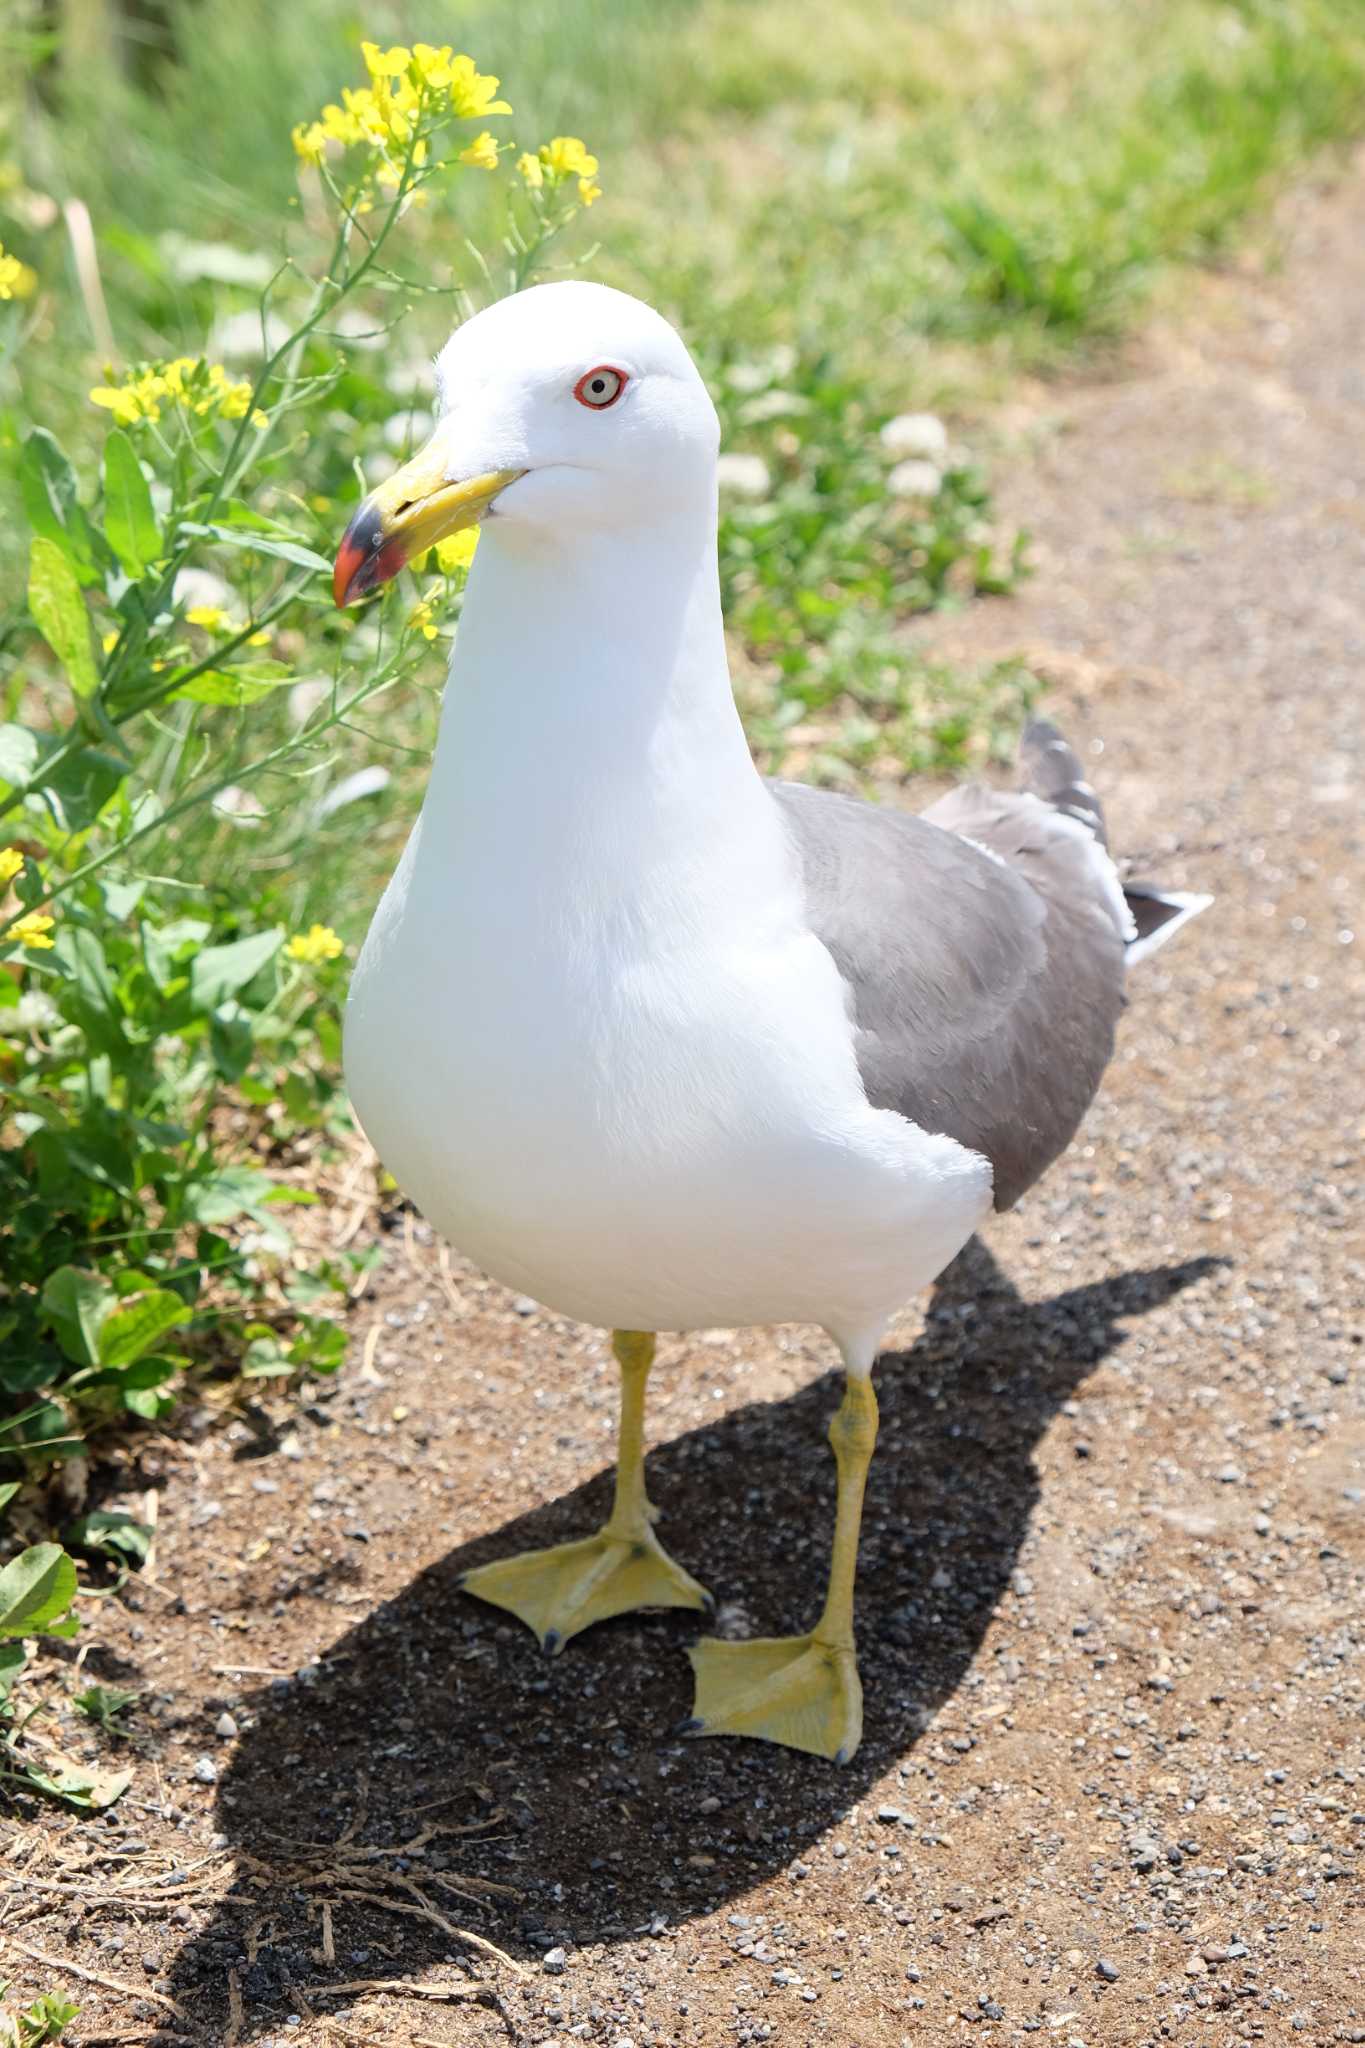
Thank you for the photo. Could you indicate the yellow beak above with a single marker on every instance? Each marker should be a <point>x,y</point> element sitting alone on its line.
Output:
<point>410,512</point>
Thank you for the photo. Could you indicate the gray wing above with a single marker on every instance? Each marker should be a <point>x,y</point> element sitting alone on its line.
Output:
<point>984,963</point>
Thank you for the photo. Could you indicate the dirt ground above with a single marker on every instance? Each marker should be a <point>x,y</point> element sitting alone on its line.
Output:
<point>1112,1789</point>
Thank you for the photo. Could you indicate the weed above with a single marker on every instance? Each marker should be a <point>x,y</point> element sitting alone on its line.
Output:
<point>156,1036</point>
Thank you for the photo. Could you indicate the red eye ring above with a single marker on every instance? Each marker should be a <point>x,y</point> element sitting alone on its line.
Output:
<point>600,387</point>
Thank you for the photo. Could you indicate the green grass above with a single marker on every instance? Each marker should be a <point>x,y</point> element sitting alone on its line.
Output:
<point>935,194</point>
<point>903,203</point>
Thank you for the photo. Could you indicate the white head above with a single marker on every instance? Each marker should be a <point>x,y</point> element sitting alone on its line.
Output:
<point>566,408</point>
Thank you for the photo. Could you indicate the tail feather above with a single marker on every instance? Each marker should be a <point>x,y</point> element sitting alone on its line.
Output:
<point>1157,916</point>
<point>1050,769</point>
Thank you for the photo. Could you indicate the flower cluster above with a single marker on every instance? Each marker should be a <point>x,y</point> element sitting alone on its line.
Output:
<point>555,162</point>
<point>16,279</point>
<point>407,88</point>
<point>319,942</point>
<point>201,387</point>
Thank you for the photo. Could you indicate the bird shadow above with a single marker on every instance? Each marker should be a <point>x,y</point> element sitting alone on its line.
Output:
<point>434,1771</point>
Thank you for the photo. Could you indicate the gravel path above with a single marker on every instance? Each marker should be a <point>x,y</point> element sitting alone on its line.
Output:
<point>1113,1784</point>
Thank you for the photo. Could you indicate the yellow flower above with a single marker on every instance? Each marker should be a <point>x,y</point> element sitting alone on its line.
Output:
<point>396,106</point>
<point>567,157</point>
<point>261,639</point>
<point>11,860</point>
<point>471,92</point>
<point>394,63</point>
<point>422,619</point>
<point>232,399</point>
<point>260,419</point>
<point>532,170</point>
<point>211,617</point>
<point>319,942</point>
<point>189,381</point>
<point>310,141</point>
<point>482,153</point>
<point>432,65</point>
<point>457,552</point>
<point>123,404</point>
<point>32,930</point>
<point>17,281</point>
<point>340,125</point>
<point>108,642</point>
<point>587,191</point>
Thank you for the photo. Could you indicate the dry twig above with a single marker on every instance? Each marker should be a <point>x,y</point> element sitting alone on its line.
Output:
<point>40,1955</point>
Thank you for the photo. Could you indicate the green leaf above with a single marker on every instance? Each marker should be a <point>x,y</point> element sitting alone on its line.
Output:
<point>13,1657</point>
<point>111,1532</point>
<point>321,1347</point>
<point>58,609</point>
<point>36,1589</point>
<point>87,995</point>
<point>77,1303</point>
<point>223,686</point>
<point>142,1387</point>
<point>220,971</point>
<point>7,1493</point>
<point>103,1703</point>
<point>48,484</point>
<point>264,1359</point>
<point>262,544</point>
<point>139,1325</point>
<point>225,1195</point>
<point>20,753</point>
<point>87,1787</point>
<point>129,520</point>
<point>231,1041</point>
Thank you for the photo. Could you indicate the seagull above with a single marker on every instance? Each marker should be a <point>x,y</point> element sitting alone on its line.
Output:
<point>660,1043</point>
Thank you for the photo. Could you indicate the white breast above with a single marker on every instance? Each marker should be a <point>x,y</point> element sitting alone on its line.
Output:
<point>590,1032</point>
<point>644,1118</point>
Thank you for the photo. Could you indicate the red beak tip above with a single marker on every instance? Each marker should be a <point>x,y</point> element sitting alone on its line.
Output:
<point>349,559</point>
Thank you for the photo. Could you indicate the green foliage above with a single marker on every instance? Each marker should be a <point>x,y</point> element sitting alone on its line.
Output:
<point>37,1589</point>
<point>47,2019</point>
<point>852,209</point>
<point>822,563</point>
<point>104,1704</point>
<point>161,1038</point>
<point>36,1592</point>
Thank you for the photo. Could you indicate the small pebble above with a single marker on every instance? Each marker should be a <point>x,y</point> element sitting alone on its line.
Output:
<point>1107,1970</point>
<point>553,1962</point>
<point>205,1770</point>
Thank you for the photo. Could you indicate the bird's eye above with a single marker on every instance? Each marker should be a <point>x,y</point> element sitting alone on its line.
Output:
<point>600,388</point>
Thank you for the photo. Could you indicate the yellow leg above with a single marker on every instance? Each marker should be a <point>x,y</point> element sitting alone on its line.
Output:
<point>566,1588</point>
<point>802,1691</point>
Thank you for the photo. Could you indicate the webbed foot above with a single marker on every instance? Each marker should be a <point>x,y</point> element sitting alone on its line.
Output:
<point>795,1690</point>
<point>566,1588</point>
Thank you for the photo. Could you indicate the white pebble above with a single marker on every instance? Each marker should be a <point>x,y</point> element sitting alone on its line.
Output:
<point>206,1770</point>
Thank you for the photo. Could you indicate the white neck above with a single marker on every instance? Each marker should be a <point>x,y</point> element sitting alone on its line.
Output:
<point>589,723</point>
